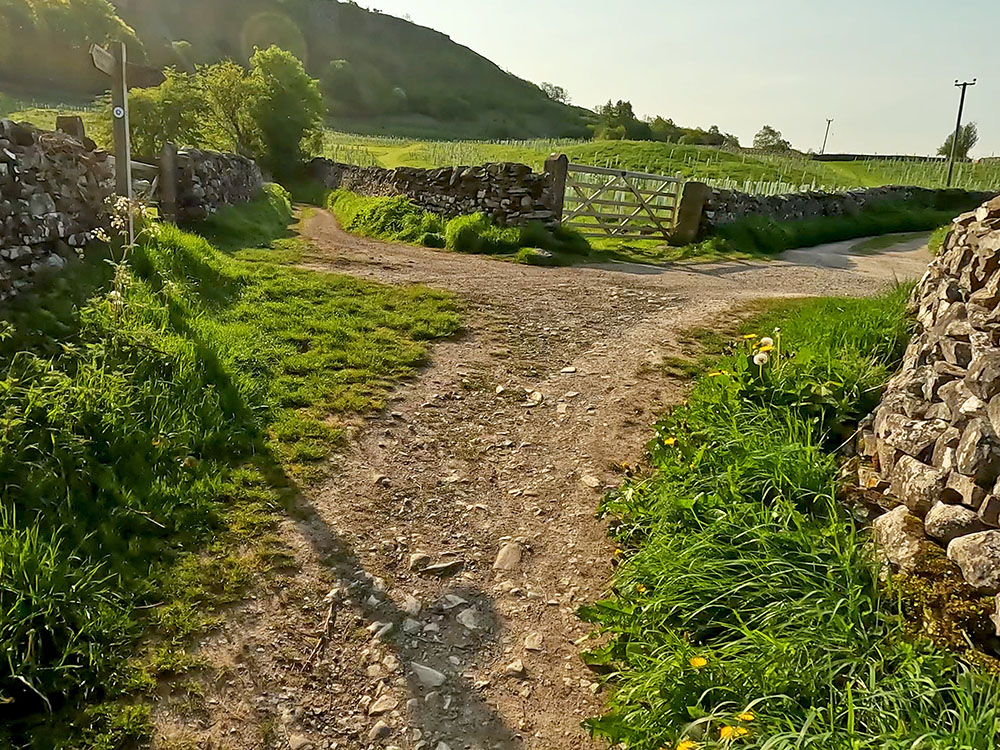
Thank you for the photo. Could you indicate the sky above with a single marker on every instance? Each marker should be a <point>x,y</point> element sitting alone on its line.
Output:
<point>884,70</point>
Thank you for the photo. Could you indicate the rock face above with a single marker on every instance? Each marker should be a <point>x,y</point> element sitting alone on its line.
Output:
<point>934,437</point>
<point>727,206</point>
<point>510,194</point>
<point>208,180</point>
<point>53,189</point>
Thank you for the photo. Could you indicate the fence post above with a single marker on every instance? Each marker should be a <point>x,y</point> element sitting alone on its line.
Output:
<point>687,228</point>
<point>71,125</point>
<point>557,165</point>
<point>168,183</point>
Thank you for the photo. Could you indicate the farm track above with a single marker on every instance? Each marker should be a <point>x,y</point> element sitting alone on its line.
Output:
<point>509,435</point>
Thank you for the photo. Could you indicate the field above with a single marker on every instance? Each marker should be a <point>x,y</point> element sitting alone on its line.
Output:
<point>753,173</point>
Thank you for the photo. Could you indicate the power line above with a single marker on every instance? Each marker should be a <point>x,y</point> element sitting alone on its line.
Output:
<point>958,128</point>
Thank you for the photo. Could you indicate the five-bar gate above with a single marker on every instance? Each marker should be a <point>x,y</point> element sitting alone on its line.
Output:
<point>602,202</point>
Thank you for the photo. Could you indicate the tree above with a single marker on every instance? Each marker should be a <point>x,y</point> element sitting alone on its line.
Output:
<point>770,139</point>
<point>555,93</point>
<point>618,122</point>
<point>170,112</point>
<point>229,93</point>
<point>968,137</point>
<point>289,110</point>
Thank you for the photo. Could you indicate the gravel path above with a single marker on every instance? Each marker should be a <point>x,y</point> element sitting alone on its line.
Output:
<point>504,442</point>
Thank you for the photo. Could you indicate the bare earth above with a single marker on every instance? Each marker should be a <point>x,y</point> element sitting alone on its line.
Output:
<point>510,434</point>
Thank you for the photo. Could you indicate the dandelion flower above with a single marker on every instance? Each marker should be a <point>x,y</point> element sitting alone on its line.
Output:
<point>750,336</point>
<point>746,716</point>
<point>670,441</point>
<point>765,349</point>
<point>761,358</point>
<point>641,589</point>
<point>698,662</point>
<point>732,733</point>
<point>619,552</point>
<point>687,745</point>
<point>767,341</point>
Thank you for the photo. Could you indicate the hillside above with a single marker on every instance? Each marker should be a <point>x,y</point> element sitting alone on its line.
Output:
<point>379,73</point>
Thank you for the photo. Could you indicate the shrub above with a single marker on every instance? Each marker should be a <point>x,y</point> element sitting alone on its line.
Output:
<point>464,234</point>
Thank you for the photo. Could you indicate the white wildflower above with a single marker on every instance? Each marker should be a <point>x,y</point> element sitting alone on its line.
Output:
<point>761,358</point>
<point>767,341</point>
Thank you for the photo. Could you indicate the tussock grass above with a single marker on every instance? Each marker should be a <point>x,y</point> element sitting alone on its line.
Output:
<point>397,219</point>
<point>147,443</point>
<point>747,609</point>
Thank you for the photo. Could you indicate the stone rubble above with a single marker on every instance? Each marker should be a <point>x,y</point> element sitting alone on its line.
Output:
<point>208,180</point>
<point>935,438</point>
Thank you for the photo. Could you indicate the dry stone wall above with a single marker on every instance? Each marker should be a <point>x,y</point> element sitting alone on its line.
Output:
<point>208,180</point>
<point>510,194</point>
<point>934,442</point>
<point>53,189</point>
<point>727,206</point>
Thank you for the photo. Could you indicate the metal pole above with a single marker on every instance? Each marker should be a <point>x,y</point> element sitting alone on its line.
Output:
<point>123,143</point>
<point>958,129</point>
<point>826,137</point>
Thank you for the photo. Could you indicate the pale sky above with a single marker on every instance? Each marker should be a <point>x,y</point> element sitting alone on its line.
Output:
<point>883,69</point>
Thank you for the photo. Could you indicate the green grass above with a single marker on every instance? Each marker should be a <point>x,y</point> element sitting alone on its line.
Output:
<point>737,555</point>
<point>397,219</point>
<point>938,238</point>
<point>762,236</point>
<point>148,443</point>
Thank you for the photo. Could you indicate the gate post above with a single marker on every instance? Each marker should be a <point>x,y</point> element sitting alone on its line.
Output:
<point>168,183</point>
<point>557,165</point>
<point>687,227</point>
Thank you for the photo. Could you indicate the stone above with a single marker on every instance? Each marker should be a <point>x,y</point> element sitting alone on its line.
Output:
<point>380,731</point>
<point>978,556</point>
<point>983,379</point>
<point>533,642</point>
<point>963,490</point>
<point>516,669</point>
<point>428,676</point>
<point>913,437</point>
<point>444,569</point>
<point>383,705</point>
<point>900,539</point>
<point>467,619</point>
<point>419,560</point>
<point>300,742</point>
<point>591,481</point>
<point>411,605</point>
<point>989,510</point>
<point>509,557</point>
<point>977,454</point>
<point>411,626</point>
<point>946,522</point>
<point>917,485</point>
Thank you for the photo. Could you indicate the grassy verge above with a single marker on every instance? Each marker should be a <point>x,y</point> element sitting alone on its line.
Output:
<point>747,609</point>
<point>938,237</point>
<point>154,416</point>
<point>397,219</point>
<point>761,236</point>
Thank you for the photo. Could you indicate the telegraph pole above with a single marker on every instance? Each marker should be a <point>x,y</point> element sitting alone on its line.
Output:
<point>826,137</point>
<point>958,128</point>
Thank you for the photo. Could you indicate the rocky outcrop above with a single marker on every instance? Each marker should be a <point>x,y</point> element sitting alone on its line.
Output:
<point>53,192</point>
<point>510,194</point>
<point>208,180</point>
<point>726,206</point>
<point>935,438</point>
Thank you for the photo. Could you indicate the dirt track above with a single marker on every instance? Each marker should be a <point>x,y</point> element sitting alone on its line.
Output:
<point>464,460</point>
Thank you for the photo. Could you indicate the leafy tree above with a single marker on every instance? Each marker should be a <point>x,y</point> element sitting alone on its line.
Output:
<point>618,122</point>
<point>968,137</point>
<point>170,112</point>
<point>555,93</point>
<point>770,139</point>
<point>289,110</point>
<point>665,130</point>
<point>230,94</point>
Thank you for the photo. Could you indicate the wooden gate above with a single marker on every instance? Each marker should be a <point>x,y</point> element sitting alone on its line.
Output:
<point>602,202</point>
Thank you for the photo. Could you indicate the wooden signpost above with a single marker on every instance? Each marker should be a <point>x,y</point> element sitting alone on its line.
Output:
<point>113,64</point>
